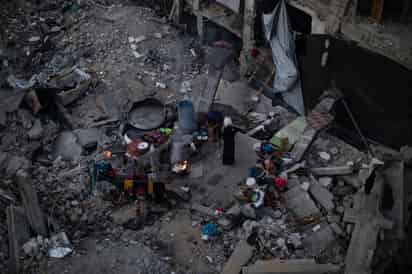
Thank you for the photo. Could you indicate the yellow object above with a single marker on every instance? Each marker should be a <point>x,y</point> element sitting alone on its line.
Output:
<point>150,187</point>
<point>128,185</point>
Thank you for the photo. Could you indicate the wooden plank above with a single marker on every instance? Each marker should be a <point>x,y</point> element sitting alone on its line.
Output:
<point>377,10</point>
<point>31,205</point>
<point>18,233</point>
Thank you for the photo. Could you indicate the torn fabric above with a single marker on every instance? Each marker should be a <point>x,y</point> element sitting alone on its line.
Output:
<point>279,34</point>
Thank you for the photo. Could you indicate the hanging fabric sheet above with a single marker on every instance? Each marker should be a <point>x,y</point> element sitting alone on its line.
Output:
<point>279,34</point>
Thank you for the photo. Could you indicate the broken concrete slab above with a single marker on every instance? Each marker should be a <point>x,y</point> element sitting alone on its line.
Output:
<point>332,170</point>
<point>368,222</point>
<point>10,100</point>
<point>240,256</point>
<point>248,211</point>
<point>67,147</point>
<point>293,192</point>
<point>337,229</point>
<point>352,179</point>
<point>318,241</point>
<point>31,204</point>
<point>292,266</point>
<point>302,205</point>
<point>87,137</point>
<point>14,164</point>
<point>224,223</point>
<point>322,196</point>
<point>394,177</point>
<point>325,181</point>
<point>36,130</point>
<point>124,214</point>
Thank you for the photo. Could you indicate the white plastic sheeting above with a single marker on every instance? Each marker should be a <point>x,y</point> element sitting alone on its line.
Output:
<point>232,4</point>
<point>279,34</point>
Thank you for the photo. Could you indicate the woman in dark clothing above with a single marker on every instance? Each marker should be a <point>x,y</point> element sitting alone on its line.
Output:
<point>229,132</point>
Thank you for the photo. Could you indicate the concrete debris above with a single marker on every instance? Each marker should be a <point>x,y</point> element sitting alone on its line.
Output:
<point>305,186</point>
<point>322,196</point>
<point>18,232</point>
<point>31,204</point>
<point>394,207</point>
<point>295,239</point>
<point>73,83</point>
<point>72,155</point>
<point>224,223</point>
<point>14,164</point>
<point>87,138</point>
<point>332,170</point>
<point>325,181</point>
<point>299,202</point>
<point>31,247</point>
<point>36,131</point>
<point>124,214</point>
<point>368,221</point>
<point>67,147</point>
<point>324,156</point>
<point>337,229</point>
<point>240,256</point>
<point>319,240</point>
<point>248,211</point>
<point>292,266</point>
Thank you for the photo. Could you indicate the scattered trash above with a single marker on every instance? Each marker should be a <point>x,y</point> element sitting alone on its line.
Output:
<point>59,252</point>
<point>160,85</point>
<point>138,55</point>
<point>209,231</point>
<point>158,35</point>
<point>34,39</point>
<point>185,87</point>
<point>139,39</point>
<point>324,156</point>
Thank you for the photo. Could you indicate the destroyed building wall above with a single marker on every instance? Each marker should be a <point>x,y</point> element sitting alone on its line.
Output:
<point>351,20</point>
<point>377,88</point>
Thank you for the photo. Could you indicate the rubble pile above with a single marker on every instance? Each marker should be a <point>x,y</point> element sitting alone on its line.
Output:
<point>123,144</point>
